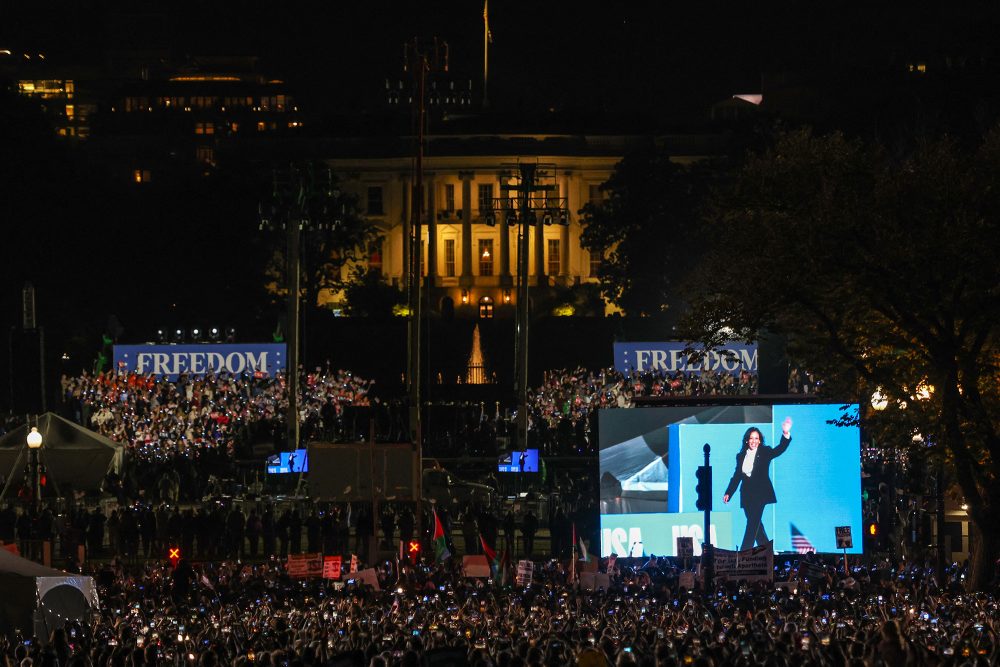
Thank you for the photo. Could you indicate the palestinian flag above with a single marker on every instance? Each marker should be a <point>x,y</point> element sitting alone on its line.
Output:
<point>491,555</point>
<point>504,566</point>
<point>440,543</point>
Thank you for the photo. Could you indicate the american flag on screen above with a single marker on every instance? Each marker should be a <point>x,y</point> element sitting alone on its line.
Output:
<point>800,542</point>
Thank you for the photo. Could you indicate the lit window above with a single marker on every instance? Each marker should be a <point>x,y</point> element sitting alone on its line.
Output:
<point>486,257</point>
<point>70,110</point>
<point>205,154</point>
<point>141,176</point>
<point>204,128</point>
<point>449,258</point>
<point>555,263</point>
<point>261,126</point>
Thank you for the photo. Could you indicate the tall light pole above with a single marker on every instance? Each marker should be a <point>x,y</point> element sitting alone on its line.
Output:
<point>538,211</point>
<point>300,201</point>
<point>34,445</point>
<point>418,60</point>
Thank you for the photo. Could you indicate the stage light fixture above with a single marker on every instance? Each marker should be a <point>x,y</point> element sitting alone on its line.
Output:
<point>214,333</point>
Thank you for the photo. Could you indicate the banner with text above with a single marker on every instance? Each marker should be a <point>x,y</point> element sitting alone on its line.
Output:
<point>331,567</point>
<point>670,357</point>
<point>303,566</point>
<point>755,564</point>
<point>170,361</point>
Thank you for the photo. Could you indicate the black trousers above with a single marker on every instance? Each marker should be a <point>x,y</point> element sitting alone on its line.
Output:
<point>755,527</point>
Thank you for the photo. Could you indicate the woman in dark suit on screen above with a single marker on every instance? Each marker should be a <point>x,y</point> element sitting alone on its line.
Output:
<point>752,472</point>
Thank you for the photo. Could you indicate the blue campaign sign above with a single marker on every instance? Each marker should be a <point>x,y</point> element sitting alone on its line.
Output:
<point>170,361</point>
<point>669,357</point>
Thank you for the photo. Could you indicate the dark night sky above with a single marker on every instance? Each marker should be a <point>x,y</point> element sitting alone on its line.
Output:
<point>550,54</point>
<point>653,58</point>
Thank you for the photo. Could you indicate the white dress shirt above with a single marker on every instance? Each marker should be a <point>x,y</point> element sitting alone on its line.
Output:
<point>748,461</point>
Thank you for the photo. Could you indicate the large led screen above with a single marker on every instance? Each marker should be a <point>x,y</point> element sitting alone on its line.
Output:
<point>793,491</point>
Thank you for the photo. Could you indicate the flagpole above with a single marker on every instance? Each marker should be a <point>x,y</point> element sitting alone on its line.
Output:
<point>486,51</point>
<point>572,558</point>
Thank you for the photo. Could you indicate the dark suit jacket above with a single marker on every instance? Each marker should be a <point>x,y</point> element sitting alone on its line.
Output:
<point>757,488</point>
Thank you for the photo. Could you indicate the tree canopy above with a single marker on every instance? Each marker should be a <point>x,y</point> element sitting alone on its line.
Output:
<point>335,234</point>
<point>880,269</point>
<point>646,229</point>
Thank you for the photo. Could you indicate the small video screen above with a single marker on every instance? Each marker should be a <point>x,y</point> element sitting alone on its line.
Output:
<point>525,460</point>
<point>288,462</point>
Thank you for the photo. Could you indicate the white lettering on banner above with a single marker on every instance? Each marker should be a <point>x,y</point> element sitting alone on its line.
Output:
<point>197,363</point>
<point>231,366</point>
<point>676,361</point>
<point>697,533</point>
<point>214,362</point>
<point>730,363</point>
<point>617,541</point>
<point>160,361</point>
<point>180,362</point>
<point>640,359</point>
<point>755,564</point>
<point>258,364</point>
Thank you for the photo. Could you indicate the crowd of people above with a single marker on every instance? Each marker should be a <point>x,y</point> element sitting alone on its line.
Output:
<point>158,419</point>
<point>229,612</point>
<point>155,418</point>
<point>563,408</point>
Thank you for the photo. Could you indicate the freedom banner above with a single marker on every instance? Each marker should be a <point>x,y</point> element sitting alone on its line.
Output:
<point>669,357</point>
<point>171,361</point>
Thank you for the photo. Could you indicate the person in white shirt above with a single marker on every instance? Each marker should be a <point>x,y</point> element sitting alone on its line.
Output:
<point>752,472</point>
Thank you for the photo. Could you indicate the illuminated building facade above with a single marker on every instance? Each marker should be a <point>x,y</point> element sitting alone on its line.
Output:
<point>188,115</point>
<point>468,237</point>
<point>67,105</point>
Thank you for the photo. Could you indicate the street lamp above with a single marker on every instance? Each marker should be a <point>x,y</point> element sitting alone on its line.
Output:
<point>879,400</point>
<point>35,444</point>
<point>536,195</point>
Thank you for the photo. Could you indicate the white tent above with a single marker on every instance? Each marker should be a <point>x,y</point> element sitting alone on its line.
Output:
<point>37,599</point>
